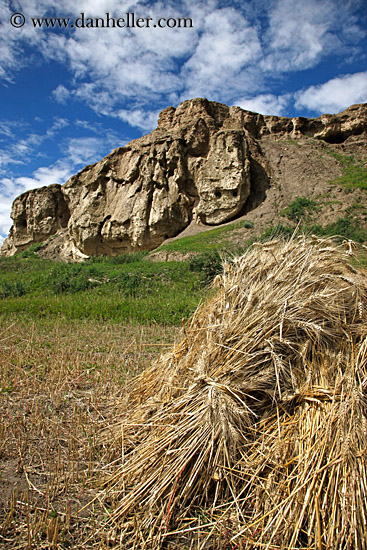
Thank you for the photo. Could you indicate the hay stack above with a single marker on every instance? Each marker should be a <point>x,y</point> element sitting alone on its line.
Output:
<point>255,424</point>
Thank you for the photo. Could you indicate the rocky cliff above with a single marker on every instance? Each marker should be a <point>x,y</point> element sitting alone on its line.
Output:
<point>205,164</point>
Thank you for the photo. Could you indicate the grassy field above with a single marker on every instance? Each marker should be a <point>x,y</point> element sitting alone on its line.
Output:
<point>60,386</point>
<point>132,288</point>
<point>129,288</point>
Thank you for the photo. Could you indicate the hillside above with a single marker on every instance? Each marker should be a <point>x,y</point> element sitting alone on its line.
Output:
<point>205,165</point>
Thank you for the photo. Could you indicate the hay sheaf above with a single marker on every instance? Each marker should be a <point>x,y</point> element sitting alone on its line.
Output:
<point>253,429</point>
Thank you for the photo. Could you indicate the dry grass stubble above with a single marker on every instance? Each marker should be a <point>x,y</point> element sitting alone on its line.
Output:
<point>59,386</point>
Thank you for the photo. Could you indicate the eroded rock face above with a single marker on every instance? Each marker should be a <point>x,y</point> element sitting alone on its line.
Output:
<point>223,183</point>
<point>202,163</point>
<point>36,214</point>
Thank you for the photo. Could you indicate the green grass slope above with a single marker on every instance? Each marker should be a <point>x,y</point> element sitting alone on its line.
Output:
<point>132,288</point>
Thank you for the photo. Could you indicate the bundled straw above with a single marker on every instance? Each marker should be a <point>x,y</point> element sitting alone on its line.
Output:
<point>253,429</point>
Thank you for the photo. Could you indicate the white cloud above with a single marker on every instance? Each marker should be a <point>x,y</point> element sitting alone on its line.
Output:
<point>301,33</point>
<point>47,175</point>
<point>61,94</point>
<point>224,56</point>
<point>78,152</point>
<point>108,139</point>
<point>5,209</point>
<point>114,65</point>
<point>84,150</point>
<point>8,46</point>
<point>145,120</point>
<point>9,157</point>
<point>137,67</point>
<point>266,104</point>
<point>7,129</point>
<point>12,40</point>
<point>335,95</point>
<point>221,63</point>
<point>95,8</point>
<point>58,124</point>
<point>19,151</point>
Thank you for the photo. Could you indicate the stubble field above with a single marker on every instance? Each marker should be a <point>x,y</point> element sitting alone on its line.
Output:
<point>60,387</point>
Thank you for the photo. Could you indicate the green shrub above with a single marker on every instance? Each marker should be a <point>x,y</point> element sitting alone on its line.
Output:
<point>344,228</point>
<point>30,252</point>
<point>208,264</point>
<point>70,278</point>
<point>127,258</point>
<point>275,231</point>
<point>131,284</point>
<point>299,208</point>
<point>9,289</point>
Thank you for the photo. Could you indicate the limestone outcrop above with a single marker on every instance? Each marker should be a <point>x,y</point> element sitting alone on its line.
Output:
<point>36,214</point>
<point>205,163</point>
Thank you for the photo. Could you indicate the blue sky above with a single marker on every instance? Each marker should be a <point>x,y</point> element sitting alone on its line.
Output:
<point>69,96</point>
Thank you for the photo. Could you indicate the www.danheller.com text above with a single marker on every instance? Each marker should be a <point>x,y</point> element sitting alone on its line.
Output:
<point>129,21</point>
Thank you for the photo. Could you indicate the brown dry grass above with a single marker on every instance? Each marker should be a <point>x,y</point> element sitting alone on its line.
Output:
<point>252,433</point>
<point>59,386</point>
